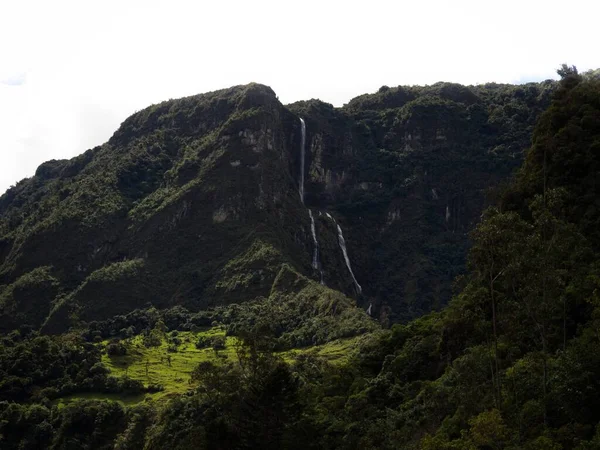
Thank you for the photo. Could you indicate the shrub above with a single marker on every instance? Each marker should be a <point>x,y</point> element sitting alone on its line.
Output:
<point>218,343</point>
<point>153,339</point>
<point>130,386</point>
<point>116,349</point>
<point>203,342</point>
<point>99,369</point>
<point>155,387</point>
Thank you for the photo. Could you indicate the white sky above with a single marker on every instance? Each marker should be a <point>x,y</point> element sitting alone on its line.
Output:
<point>72,71</point>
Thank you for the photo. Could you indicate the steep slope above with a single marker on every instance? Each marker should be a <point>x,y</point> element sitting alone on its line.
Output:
<point>191,202</point>
<point>513,362</point>
<point>408,171</point>
<point>194,202</point>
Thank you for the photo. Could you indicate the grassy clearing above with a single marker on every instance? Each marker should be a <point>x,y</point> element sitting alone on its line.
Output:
<point>335,352</point>
<point>156,365</point>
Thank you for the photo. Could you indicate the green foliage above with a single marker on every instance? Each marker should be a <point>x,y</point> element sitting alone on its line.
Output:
<point>126,212</point>
<point>42,368</point>
<point>299,313</point>
<point>116,349</point>
<point>408,169</point>
<point>512,362</point>
<point>27,300</point>
<point>193,202</point>
<point>203,342</point>
<point>166,364</point>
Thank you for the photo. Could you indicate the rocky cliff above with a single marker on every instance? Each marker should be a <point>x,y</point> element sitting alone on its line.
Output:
<point>194,202</point>
<point>408,171</point>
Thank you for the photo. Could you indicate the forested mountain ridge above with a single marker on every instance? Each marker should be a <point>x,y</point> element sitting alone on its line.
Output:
<point>409,169</point>
<point>145,218</point>
<point>510,363</point>
<point>193,202</point>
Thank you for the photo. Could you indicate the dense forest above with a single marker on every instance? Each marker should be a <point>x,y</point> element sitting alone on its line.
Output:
<point>182,310</point>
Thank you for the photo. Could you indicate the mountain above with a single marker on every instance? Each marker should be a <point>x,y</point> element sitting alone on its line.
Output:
<point>194,202</point>
<point>194,283</point>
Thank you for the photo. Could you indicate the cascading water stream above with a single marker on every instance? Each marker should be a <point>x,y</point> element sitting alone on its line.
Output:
<point>302,157</point>
<point>315,260</point>
<point>346,258</point>
<point>342,243</point>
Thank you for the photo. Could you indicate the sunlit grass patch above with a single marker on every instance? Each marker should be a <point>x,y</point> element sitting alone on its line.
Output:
<point>157,366</point>
<point>335,352</point>
<point>171,370</point>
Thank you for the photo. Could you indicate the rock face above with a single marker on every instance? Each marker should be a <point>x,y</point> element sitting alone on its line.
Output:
<point>194,202</point>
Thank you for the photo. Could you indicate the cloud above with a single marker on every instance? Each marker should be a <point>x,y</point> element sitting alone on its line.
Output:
<point>15,79</point>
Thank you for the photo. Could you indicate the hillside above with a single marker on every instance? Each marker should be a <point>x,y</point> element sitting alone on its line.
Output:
<point>231,273</point>
<point>194,202</point>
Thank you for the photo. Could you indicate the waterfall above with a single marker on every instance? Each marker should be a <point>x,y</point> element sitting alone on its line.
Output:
<point>369,311</point>
<point>342,243</point>
<point>302,157</point>
<point>345,252</point>
<point>315,260</point>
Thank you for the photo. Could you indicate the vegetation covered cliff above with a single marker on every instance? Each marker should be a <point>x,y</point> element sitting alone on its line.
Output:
<point>193,202</point>
<point>201,321</point>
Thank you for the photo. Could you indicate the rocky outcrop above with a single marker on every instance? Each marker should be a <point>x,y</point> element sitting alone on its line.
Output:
<point>409,171</point>
<point>202,193</point>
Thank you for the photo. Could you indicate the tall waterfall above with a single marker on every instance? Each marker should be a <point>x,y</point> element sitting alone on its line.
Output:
<point>302,157</point>
<point>342,243</point>
<point>345,252</point>
<point>315,259</point>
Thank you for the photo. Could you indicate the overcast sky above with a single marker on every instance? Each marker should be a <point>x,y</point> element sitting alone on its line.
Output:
<point>72,71</point>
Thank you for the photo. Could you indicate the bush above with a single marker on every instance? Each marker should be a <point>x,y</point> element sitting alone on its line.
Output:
<point>153,339</point>
<point>99,369</point>
<point>218,343</point>
<point>127,332</point>
<point>155,387</point>
<point>116,349</point>
<point>49,393</point>
<point>130,386</point>
<point>203,342</point>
